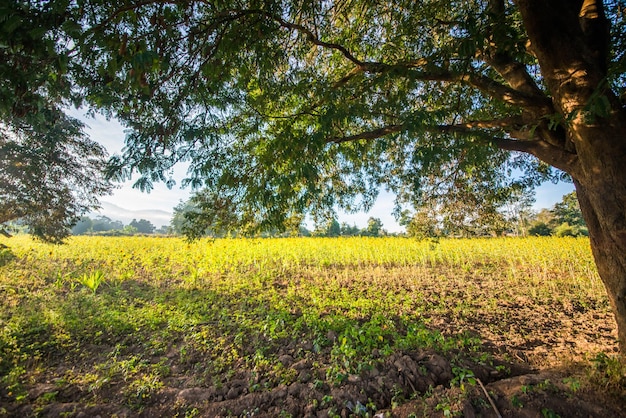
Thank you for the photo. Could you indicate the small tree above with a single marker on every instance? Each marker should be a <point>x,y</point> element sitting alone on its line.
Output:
<point>349,230</point>
<point>564,219</point>
<point>421,225</point>
<point>51,173</point>
<point>83,226</point>
<point>540,229</point>
<point>374,228</point>
<point>568,211</point>
<point>142,226</point>
<point>330,228</point>
<point>102,223</point>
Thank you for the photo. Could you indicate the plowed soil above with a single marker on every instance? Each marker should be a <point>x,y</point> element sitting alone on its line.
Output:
<point>536,374</point>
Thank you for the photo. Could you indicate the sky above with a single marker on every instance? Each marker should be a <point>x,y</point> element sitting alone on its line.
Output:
<point>111,135</point>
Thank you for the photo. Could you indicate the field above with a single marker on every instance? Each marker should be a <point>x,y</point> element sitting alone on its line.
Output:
<point>145,326</point>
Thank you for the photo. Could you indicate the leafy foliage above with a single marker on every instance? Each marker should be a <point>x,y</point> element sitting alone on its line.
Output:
<point>50,171</point>
<point>293,107</point>
<point>50,174</point>
<point>564,219</point>
<point>276,104</point>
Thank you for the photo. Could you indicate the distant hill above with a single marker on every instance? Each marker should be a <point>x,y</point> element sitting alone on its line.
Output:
<point>117,213</point>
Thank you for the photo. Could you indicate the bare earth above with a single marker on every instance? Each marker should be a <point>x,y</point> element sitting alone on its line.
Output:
<point>535,376</point>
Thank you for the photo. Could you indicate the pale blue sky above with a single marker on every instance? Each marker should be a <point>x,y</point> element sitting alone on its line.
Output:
<point>111,135</point>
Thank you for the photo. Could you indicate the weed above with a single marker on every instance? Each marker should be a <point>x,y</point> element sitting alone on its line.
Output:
<point>139,391</point>
<point>192,413</point>
<point>461,377</point>
<point>548,413</point>
<point>47,398</point>
<point>357,409</point>
<point>445,408</point>
<point>13,384</point>
<point>572,383</point>
<point>92,280</point>
<point>609,373</point>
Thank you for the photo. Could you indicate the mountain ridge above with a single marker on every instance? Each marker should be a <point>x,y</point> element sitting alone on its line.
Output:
<point>157,217</point>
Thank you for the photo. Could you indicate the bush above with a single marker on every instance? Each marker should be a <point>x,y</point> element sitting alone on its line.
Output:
<point>540,229</point>
<point>567,230</point>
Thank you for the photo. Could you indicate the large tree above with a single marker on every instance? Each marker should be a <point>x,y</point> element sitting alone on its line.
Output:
<point>50,171</point>
<point>296,106</point>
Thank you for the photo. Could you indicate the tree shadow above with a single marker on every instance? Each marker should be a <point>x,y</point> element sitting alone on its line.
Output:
<point>6,255</point>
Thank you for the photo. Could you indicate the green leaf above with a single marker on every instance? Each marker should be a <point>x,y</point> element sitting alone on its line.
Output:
<point>11,24</point>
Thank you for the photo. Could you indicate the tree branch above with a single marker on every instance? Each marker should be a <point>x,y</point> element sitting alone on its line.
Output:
<point>555,156</point>
<point>374,134</point>
<point>510,122</point>
<point>311,37</point>
<point>490,87</point>
<point>512,71</point>
<point>530,144</point>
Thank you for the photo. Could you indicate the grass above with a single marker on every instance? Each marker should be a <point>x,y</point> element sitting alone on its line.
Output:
<point>148,310</point>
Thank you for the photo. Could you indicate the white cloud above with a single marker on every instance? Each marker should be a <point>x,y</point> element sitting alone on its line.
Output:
<point>110,133</point>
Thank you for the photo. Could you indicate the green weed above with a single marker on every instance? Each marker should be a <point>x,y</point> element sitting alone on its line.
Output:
<point>609,373</point>
<point>92,280</point>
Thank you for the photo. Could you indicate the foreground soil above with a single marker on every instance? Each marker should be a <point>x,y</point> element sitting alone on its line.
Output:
<point>539,379</point>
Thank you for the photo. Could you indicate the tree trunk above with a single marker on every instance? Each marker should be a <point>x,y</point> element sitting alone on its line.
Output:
<point>570,40</point>
<point>602,201</point>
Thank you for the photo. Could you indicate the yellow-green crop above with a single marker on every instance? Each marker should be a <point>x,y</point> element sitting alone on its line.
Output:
<point>343,304</point>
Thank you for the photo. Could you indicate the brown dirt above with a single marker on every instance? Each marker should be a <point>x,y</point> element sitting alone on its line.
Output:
<point>540,352</point>
<point>406,383</point>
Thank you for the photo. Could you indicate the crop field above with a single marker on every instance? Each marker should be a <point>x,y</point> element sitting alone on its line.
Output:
<point>315,327</point>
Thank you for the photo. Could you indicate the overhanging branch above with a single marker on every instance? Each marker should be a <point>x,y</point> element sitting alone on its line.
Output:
<point>374,134</point>
<point>422,69</point>
<point>417,69</point>
<point>498,57</point>
<point>555,156</point>
<point>529,143</point>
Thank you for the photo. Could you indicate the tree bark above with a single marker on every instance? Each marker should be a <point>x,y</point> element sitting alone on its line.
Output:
<point>569,40</point>
<point>602,199</point>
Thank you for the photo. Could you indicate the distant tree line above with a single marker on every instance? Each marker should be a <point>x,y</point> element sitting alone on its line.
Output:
<point>332,228</point>
<point>514,219</point>
<point>206,215</point>
<point>103,225</point>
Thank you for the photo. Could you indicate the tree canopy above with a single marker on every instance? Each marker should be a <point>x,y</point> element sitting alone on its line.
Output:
<point>50,171</point>
<point>276,104</point>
